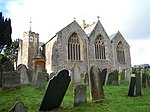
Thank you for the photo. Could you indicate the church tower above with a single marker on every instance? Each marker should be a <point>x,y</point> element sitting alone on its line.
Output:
<point>28,48</point>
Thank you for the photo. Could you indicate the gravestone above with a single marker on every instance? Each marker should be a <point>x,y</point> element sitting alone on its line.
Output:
<point>115,82</point>
<point>122,76</point>
<point>29,74</point>
<point>86,78</point>
<point>36,69</point>
<point>132,85</point>
<point>56,90</point>
<point>11,80</point>
<point>8,66</point>
<point>103,76</point>
<point>41,80</point>
<point>76,77</point>
<point>97,91</point>
<point>144,79</point>
<point>19,107</point>
<point>23,74</point>
<point>148,80</point>
<point>0,76</point>
<point>110,78</point>
<point>80,95</point>
<point>138,84</point>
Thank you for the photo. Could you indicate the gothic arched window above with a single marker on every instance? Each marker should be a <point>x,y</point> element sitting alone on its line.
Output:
<point>74,48</point>
<point>120,53</point>
<point>100,48</point>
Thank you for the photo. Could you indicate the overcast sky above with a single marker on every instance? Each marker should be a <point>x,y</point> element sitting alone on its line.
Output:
<point>130,17</point>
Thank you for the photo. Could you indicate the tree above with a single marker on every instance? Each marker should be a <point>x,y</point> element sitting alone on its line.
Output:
<point>5,32</point>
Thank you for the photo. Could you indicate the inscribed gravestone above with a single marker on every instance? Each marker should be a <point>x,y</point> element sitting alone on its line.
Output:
<point>138,84</point>
<point>55,91</point>
<point>76,78</point>
<point>41,80</point>
<point>115,82</point>
<point>132,85</point>
<point>80,95</point>
<point>97,91</point>
<point>36,69</point>
<point>103,76</point>
<point>23,74</point>
<point>18,107</point>
<point>10,80</point>
<point>8,66</point>
<point>110,78</point>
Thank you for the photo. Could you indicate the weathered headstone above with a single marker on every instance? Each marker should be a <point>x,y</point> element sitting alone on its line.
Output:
<point>30,74</point>
<point>56,90</point>
<point>97,91</point>
<point>143,79</point>
<point>19,107</point>
<point>23,74</point>
<point>132,85</point>
<point>122,76</point>
<point>110,78</point>
<point>11,80</point>
<point>41,80</point>
<point>138,84</point>
<point>86,78</point>
<point>115,82</point>
<point>80,95</point>
<point>103,76</point>
<point>8,66</point>
<point>36,69</point>
<point>76,77</point>
<point>0,76</point>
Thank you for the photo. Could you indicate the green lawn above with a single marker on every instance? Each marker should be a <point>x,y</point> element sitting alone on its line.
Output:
<point>116,100</point>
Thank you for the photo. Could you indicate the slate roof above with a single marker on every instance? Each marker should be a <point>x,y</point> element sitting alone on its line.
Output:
<point>89,29</point>
<point>112,36</point>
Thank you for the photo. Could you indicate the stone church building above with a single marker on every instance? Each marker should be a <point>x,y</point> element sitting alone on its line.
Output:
<point>84,45</point>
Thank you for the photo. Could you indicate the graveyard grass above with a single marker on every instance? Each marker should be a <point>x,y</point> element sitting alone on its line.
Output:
<point>116,100</point>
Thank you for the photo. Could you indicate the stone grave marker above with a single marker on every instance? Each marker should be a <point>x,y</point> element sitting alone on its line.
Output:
<point>56,90</point>
<point>76,77</point>
<point>0,76</point>
<point>103,76</point>
<point>41,80</point>
<point>36,69</point>
<point>29,74</point>
<point>19,107</point>
<point>138,84</point>
<point>122,76</point>
<point>110,78</point>
<point>97,91</point>
<point>11,80</point>
<point>132,85</point>
<point>115,82</point>
<point>80,95</point>
<point>148,80</point>
<point>8,66</point>
<point>23,74</point>
<point>144,79</point>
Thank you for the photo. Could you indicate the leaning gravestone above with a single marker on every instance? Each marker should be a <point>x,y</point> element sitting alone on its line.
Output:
<point>10,80</point>
<point>41,80</point>
<point>18,107</point>
<point>76,77</point>
<point>80,95</point>
<point>97,91</point>
<point>23,73</point>
<point>138,84</point>
<point>115,82</point>
<point>132,85</point>
<point>56,90</point>
<point>110,78</point>
<point>36,69</point>
<point>103,76</point>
